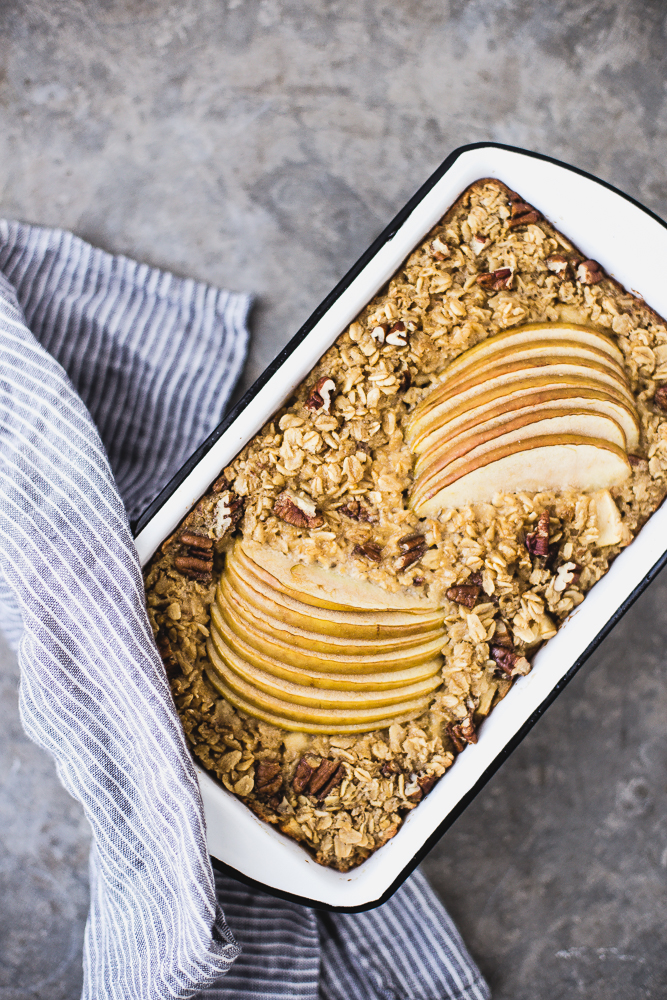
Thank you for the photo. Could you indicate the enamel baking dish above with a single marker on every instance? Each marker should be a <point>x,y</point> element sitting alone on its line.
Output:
<point>631,244</point>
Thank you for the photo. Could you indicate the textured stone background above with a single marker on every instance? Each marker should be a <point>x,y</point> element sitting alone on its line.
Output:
<point>261,145</point>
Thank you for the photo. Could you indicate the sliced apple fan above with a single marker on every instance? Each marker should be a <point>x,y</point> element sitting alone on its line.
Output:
<point>310,650</point>
<point>542,407</point>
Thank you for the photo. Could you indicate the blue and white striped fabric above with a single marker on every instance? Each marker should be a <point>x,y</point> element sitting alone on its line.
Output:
<point>153,359</point>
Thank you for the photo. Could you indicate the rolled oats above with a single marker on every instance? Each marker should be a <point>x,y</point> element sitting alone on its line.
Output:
<point>326,481</point>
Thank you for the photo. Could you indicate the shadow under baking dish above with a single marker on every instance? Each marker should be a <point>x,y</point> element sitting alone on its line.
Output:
<point>631,244</point>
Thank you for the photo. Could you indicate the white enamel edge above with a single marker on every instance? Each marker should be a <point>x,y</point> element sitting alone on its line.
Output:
<point>632,247</point>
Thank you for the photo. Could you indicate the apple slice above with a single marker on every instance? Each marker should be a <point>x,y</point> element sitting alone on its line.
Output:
<point>326,588</point>
<point>230,667</point>
<point>354,624</point>
<point>554,375</point>
<point>584,423</point>
<point>383,679</point>
<point>326,663</point>
<point>482,379</point>
<point>270,630</point>
<point>517,337</point>
<point>423,427</point>
<point>502,409</point>
<point>608,516</point>
<point>548,350</point>
<point>322,714</point>
<point>500,446</point>
<point>533,465</point>
<point>307,727</point>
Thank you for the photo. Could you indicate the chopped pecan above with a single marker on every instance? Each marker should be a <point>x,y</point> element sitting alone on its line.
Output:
<point>196,541</point>
<point>558,263</point>
<point>398,335</point>
<point>390,767</point>
<point>521,214</point>
<point>537,542</point>
<point>497,280</point>
<point>426,782</point>
<point>503,636</point>
<point>405,381</point>
<point>297,511</point>
<point>409,542</point>
<point>302,776</point>
<point>477,243</point>
<point>462,732</point>
<point>164,648</point>
<point>465,594</point>
<point>418,581</point>
<point>268,779</point>
<point>320,395</point>
<point>369,550</point>
<point>333,781</point>
<point>660,398</point>
<point>637,461</point>
<point>589,272</point>
<point>196,569</point>
<point>504,658</point>
<point>321,777</point>
<point>228,512</point>
<point>439,250</point>
<point>356,511</point>
<point>378,333</point>
<point>410,557</point>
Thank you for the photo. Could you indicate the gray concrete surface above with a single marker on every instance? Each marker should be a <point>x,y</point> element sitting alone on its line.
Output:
<point>261,145</point>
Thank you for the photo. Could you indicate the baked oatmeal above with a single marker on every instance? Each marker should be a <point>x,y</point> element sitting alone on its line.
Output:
<point>345,483</point>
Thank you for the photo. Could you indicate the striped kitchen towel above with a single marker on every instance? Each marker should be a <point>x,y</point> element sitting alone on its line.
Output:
<point>111,373</point>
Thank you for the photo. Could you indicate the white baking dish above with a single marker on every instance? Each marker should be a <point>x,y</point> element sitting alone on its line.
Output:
<point>631,244</point>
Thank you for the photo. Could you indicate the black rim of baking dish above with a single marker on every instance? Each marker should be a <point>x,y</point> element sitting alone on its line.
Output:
<point>229,419</point>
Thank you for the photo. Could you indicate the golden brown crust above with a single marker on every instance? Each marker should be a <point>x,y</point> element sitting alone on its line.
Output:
<point>507,573</point>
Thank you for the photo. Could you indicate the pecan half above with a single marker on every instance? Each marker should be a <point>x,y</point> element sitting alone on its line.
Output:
<point>369,550</point>
<point>521,214</point>
<point>196,541</point>
<point>410,557</point>
<point>322,776</point>
<point>409,542</point>
<point>461,733</point>
<point>302,776</point>
<point>558,263</point>
<point>333,781</point>
<point>465,594</point>
<point>268,779</point>
<point>196,569</point>
<point>537,542</point>
<point>496,280</point>
<point>356,512</point>
<point>589,272</point>
<point>320,395</point>
<point>504,658</point>
<point>398,335</point>
<point>297,511</point>
<point>439,250</point>
<point>660,398</point>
